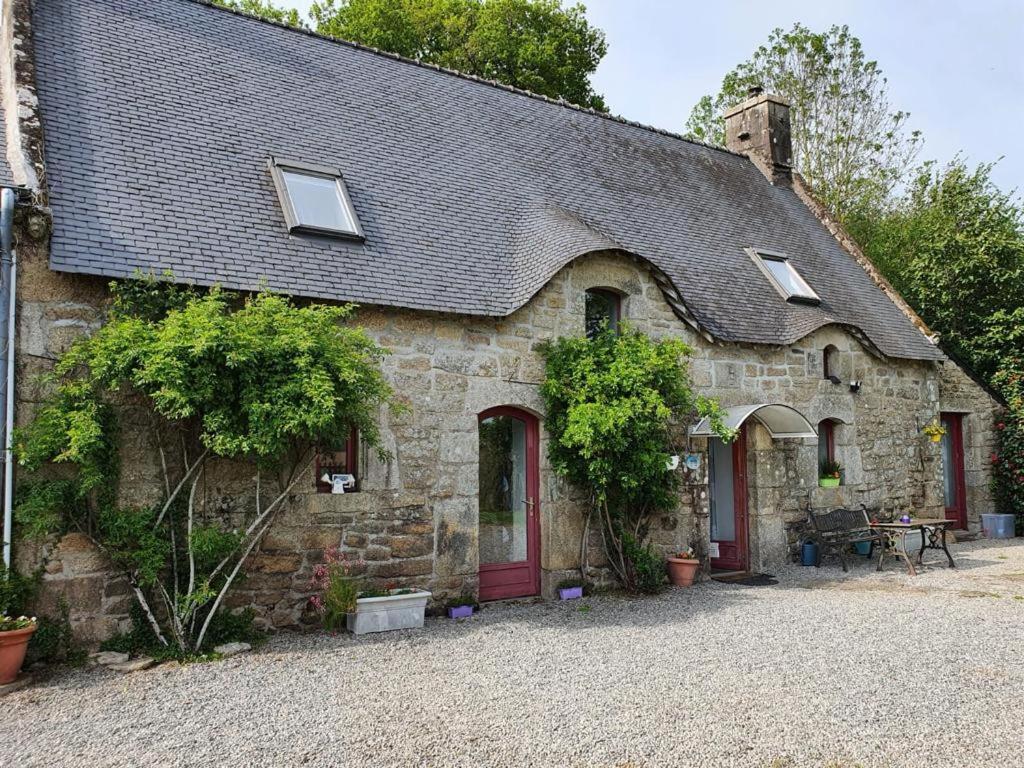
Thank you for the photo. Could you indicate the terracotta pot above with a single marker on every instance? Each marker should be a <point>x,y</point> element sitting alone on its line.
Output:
<point>681,572</point>
<point>13,645</point>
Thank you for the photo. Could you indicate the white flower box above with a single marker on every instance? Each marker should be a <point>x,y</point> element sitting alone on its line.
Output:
<point>383,614</point>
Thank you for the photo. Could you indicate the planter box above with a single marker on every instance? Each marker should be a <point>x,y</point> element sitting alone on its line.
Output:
<point>460,612</point>
<point>383,614</point>
<point>828,482</point>
<point>570,593</point>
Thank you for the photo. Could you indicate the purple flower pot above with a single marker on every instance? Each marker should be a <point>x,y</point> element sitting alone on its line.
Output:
<point>570,593</point>
<point>460,612</point>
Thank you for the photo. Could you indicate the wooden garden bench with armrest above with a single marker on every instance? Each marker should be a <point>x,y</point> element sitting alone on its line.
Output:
<point>838,529</point>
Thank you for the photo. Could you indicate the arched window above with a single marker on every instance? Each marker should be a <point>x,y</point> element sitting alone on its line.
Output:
<point>830,364</point>
<point>826,441</point>
<point>603,308</point>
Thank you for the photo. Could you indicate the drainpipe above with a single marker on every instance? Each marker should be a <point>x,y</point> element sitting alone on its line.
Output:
<point>8,274</point>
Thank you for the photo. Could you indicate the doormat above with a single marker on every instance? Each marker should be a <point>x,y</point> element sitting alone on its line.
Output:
<point>748,579</point>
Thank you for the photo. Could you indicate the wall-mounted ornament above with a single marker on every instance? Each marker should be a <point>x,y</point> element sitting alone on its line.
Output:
<point>692,461</point>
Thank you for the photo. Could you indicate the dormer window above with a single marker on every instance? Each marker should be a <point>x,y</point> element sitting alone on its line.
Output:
<point>784,277</point>
<point>314,199</point>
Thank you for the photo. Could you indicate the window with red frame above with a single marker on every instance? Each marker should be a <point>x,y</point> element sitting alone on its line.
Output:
<point>343,462</point>
<point>826,441</point>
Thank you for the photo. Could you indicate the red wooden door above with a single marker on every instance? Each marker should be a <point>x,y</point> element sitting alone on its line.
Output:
<point>509,489</point>
<point>728,481</point>
<point>954,488</point>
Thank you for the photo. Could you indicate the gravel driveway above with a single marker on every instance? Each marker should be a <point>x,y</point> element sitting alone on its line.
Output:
<point>819,670</point>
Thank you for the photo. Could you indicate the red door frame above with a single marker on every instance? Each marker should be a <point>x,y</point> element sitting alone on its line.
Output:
<point>956,438</point>
<point>735,555</point>
<point>499,581</point>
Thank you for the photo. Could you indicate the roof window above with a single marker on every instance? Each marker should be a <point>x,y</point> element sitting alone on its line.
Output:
<point>314,199</point>
<point>784,277</point>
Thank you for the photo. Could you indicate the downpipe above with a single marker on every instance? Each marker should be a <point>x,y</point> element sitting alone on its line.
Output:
<point>8,276</point>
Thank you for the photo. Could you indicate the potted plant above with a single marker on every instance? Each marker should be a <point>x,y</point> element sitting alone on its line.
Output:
<point>338,589</point>
<point>828,473</point>
<point>570,589</point>
<point>461,607</point>
<point>14,637</point>
<point>935,431</point>
<point>682,567</point>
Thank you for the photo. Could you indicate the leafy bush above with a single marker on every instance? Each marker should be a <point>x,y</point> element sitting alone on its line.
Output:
<point>614,405</point>
<point>648,566</point>
<point>53,641</point>
<point>1008,461</point>
<point>253,379</point>
<point>16,592</point>
<point>228,627</point>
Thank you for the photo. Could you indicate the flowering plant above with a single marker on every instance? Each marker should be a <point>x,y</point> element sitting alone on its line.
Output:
<point>686,553</point>
<point>338,588</point>
<point>934,430</point>
<point>10,624</point>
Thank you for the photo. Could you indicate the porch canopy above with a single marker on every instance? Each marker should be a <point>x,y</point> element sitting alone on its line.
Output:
<point>780,421</point>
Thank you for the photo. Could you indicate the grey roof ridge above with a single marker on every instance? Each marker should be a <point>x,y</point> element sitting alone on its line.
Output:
<point>471,78</point>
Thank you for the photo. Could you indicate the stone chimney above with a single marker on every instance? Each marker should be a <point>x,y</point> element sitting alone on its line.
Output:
<point>759,129</point>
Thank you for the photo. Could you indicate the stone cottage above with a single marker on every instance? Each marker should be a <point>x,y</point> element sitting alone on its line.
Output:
<point>469,221</point>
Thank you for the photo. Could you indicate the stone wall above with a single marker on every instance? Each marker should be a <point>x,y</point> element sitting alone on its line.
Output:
<point>414,522</point>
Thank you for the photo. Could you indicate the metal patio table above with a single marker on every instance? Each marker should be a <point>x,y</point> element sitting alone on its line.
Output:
<point>933,536</point>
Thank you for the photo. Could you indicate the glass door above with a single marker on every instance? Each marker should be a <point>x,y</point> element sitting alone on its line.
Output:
<point>508,496</point>
<point>727,466</point>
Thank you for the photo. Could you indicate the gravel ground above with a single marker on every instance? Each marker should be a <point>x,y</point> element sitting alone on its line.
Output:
<point>819,670</point>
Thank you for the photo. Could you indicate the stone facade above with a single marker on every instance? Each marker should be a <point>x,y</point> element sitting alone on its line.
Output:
<point>415,520</point>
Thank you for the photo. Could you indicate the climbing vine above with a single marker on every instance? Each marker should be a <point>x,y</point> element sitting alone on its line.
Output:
<point>202,376</point>
<point>614,406</point>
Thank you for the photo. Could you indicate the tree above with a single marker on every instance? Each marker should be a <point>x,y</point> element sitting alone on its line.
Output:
<point>536,45</point>
<point>611,406</point>
<point>848,142</point>
<point>211,376</point>
<point>264,9</point>
<point>953,246</point>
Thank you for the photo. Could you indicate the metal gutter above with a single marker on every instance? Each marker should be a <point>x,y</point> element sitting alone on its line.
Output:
<point>8,276</point>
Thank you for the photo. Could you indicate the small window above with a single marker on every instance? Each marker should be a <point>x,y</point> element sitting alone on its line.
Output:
<point>343,462</point>
<point>603,310</point>
<point>826,441</point>
<point>830,364</point>
<point>314,199</point>
<point>783,275</point>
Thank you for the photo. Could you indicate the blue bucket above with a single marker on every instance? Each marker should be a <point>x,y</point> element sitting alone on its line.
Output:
<point>863,548</point>
<point>809,553</point>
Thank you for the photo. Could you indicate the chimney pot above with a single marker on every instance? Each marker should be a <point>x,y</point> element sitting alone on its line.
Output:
<point>754,90</point>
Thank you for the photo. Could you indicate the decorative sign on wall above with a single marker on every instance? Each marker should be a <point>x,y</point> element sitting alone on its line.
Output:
<point>693,461</point>
<point>713,549</point>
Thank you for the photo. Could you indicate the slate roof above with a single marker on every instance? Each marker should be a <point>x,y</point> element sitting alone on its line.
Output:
<point>160,118</point>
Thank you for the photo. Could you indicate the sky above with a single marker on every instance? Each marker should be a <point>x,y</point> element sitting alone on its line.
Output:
<point>956,66</point>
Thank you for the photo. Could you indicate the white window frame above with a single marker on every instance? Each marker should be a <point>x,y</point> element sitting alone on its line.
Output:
<point>759,256</point>
<point>279,166</point>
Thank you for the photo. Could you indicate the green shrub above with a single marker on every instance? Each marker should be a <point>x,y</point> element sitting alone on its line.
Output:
<point>648,566</point>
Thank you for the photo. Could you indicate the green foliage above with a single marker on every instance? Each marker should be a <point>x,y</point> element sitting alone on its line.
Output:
<point>612,406</point>
<point>16,592</point>
<point>264,9</point>
<point>537,45</point>
<point>953,245</point>
<point>648,568</point>
<point>228,627</point>
<point>53,641</point>
<point>1008,461</point>
<point>848,142</point>
<point>253,379</point>
<point>829,468</point>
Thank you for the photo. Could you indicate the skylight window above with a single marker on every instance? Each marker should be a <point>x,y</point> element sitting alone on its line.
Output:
<point>314,199</point>
<point>784,277</point>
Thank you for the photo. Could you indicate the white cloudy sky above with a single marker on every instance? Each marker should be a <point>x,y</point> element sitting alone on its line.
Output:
<point>956,65</point>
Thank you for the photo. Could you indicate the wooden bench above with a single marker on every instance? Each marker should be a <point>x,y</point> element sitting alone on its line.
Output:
<point>838,529</point>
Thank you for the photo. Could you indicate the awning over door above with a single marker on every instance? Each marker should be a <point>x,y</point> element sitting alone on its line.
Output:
<point>780,420</point>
